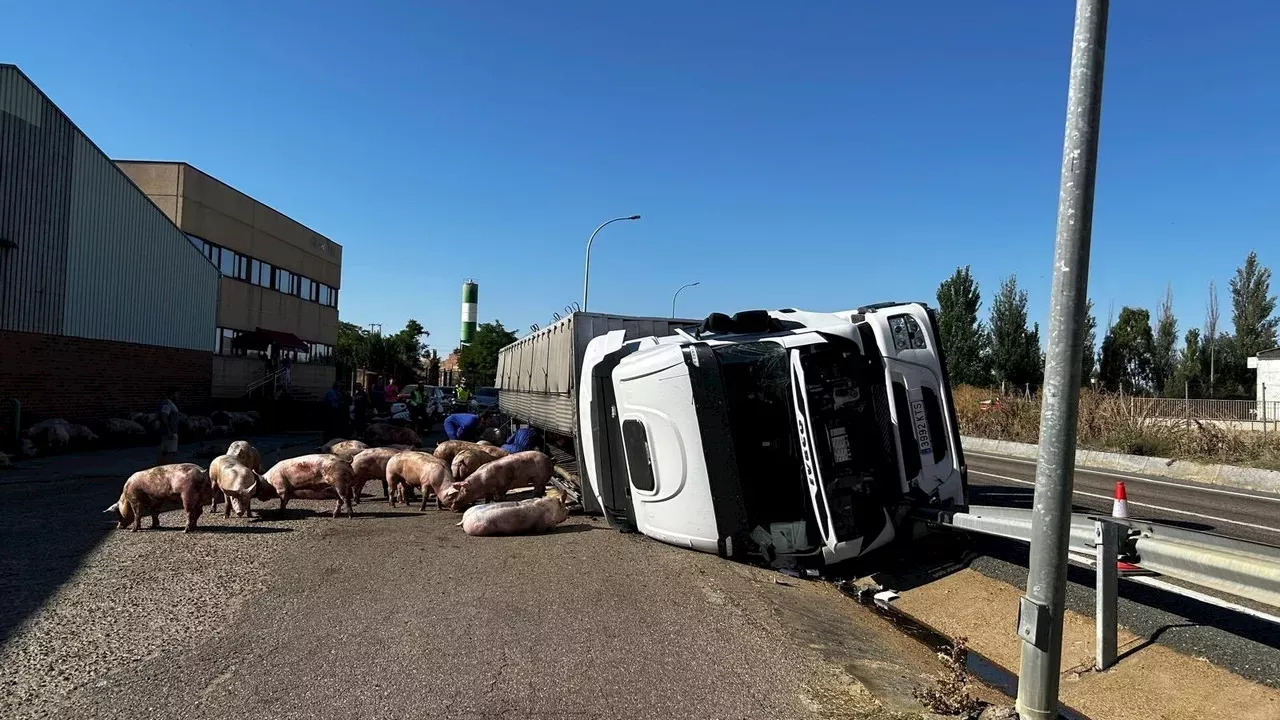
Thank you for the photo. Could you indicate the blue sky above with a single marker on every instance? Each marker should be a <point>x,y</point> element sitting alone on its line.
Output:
<point>818,155</point>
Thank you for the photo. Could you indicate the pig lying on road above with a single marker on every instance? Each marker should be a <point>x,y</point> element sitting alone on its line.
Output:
<point>370,465</point>
<point>384,434</point>
<point>449,449</point>
<point>313,477</point>
<point>345,449</point>
<point>244,452</point>
<point>493,480</point>
<point>419,470</point>
<point>514,518</point>
<point>468,461</point>
<point>153,491</point>
<point>238,483</point>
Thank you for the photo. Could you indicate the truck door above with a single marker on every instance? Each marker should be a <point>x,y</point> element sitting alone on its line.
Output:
<point>668,482</point>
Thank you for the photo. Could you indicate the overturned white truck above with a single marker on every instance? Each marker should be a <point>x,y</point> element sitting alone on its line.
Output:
<point>800,435</point>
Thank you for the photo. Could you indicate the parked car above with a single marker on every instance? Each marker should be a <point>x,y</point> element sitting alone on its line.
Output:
<point>484,399</point>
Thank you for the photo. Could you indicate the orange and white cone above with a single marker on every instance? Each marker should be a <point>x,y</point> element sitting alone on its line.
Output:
<point>1120,506</point>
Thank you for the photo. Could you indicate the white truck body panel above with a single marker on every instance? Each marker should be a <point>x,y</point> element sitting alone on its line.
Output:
<point>669,491</point>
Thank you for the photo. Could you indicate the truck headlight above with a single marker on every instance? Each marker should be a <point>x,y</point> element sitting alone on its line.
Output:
<point>907,333</point>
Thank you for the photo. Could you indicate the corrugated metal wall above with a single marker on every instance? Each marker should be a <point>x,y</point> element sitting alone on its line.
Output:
<point>35,190</point>
<point>95,258</point>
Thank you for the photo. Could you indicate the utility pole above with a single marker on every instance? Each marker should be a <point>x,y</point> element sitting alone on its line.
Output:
<point>1041,610</point>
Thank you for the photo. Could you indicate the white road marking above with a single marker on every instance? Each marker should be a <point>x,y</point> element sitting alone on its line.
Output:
<point>1138,504</point>
<point>1139,478</point>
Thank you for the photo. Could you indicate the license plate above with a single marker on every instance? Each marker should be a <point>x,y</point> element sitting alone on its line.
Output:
<point>921,421</point>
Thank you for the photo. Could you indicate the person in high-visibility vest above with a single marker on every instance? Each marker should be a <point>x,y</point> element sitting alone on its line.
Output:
<point>464,395</point>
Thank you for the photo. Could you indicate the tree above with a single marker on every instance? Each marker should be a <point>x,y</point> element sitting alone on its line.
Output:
<point>959,329</point>
<point>1188,377</point>
<point>395,356</point>
<point>1211,333</point>
<point>1089,358</point>
<point>1253,307</point>
<point>1128,353</point>
<point>1164,358</point>
<point>478,362</point>
<point>1015,350</point>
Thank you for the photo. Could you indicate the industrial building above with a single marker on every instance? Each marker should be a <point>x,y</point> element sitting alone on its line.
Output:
<point>104,303</point>
<point>279,286</point>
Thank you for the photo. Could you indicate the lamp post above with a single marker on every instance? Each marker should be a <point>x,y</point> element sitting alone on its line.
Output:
<point>586,272</point>
<point>677,294</point>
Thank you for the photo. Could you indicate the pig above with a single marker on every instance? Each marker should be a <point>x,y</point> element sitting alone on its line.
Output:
<point>421,470</point>
<point>246,454</point>
<point>237,481</point>
<point>468,461</point>
<point>199,425</point>
<point>119,426</point>
<point>383,434</point>
<point>493,480</point>
<point>313,477</point>
<point>534,515</point>
<point>448,449</point>
<point>347,449</point>
<point>153,491</point>
<point>368,465</point>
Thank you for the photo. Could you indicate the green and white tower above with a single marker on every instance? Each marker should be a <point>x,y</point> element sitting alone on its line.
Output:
<point>470,294</point>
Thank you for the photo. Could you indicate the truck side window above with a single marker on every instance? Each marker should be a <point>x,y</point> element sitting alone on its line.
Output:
<point>639,467</point>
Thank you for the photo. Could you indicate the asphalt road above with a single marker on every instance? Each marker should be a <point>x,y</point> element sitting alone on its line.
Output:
<point>399,614</point>
<point>1246,645</point>
<point>1247,515</point>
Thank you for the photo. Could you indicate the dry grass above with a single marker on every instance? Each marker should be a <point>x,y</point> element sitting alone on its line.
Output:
<point>949,694</point>
<point>1112,423</point>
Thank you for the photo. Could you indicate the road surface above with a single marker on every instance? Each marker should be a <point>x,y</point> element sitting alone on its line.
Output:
<point>1248,515</point>
<point>399,614</point>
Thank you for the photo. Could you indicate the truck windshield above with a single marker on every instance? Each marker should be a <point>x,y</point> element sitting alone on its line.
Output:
<point>761,416</point>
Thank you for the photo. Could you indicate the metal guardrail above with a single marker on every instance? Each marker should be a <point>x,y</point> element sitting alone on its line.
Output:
<point>1237,567</point>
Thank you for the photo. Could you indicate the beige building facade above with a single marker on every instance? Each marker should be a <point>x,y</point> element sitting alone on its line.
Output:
<point>278,294</point>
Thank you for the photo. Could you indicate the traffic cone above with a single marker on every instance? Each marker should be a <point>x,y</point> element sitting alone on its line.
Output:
<point>1120,507</point>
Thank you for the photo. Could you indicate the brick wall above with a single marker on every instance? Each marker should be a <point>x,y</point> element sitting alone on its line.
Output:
<point>90,380</point>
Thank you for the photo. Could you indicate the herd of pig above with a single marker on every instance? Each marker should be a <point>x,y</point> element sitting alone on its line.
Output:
<point>458,476</point>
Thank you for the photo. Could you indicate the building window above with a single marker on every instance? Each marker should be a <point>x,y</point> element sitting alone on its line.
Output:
<point>227,265</point>
<point>260,274</point>
<point>242,267</point>
<point>304,288</point>
<point>285,281</point>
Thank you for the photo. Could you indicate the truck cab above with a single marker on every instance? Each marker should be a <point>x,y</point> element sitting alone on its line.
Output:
<point>778,433</point>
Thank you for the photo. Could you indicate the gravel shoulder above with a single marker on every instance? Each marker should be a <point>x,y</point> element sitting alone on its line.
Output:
<point>398,614</point>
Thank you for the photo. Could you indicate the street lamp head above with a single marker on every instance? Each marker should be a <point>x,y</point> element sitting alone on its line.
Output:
<point>634,217</point>
<point>697,283</point>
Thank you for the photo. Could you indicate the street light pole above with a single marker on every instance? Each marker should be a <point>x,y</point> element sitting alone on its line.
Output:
<point>586,272</point>
<point>677,294</point>
<point>1041,609</point>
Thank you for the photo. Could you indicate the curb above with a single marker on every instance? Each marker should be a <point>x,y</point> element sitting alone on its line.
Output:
<point>1233,476</point>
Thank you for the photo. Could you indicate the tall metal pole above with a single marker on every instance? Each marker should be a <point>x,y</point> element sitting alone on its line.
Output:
<point>677,294</point>
<point>1041,610</point>
<point>586,271</point>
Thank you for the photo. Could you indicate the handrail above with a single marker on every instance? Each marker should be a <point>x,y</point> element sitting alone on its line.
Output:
<point>266,378</point>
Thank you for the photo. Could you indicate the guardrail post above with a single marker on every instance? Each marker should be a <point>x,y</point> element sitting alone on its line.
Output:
<point>1106,539</point>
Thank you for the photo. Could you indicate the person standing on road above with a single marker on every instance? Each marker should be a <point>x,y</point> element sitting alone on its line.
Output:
<point>332,407</point>
<point>168,427</point>
<point>361,401</point>
<point>391,393</point>
<point>465,426</point>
